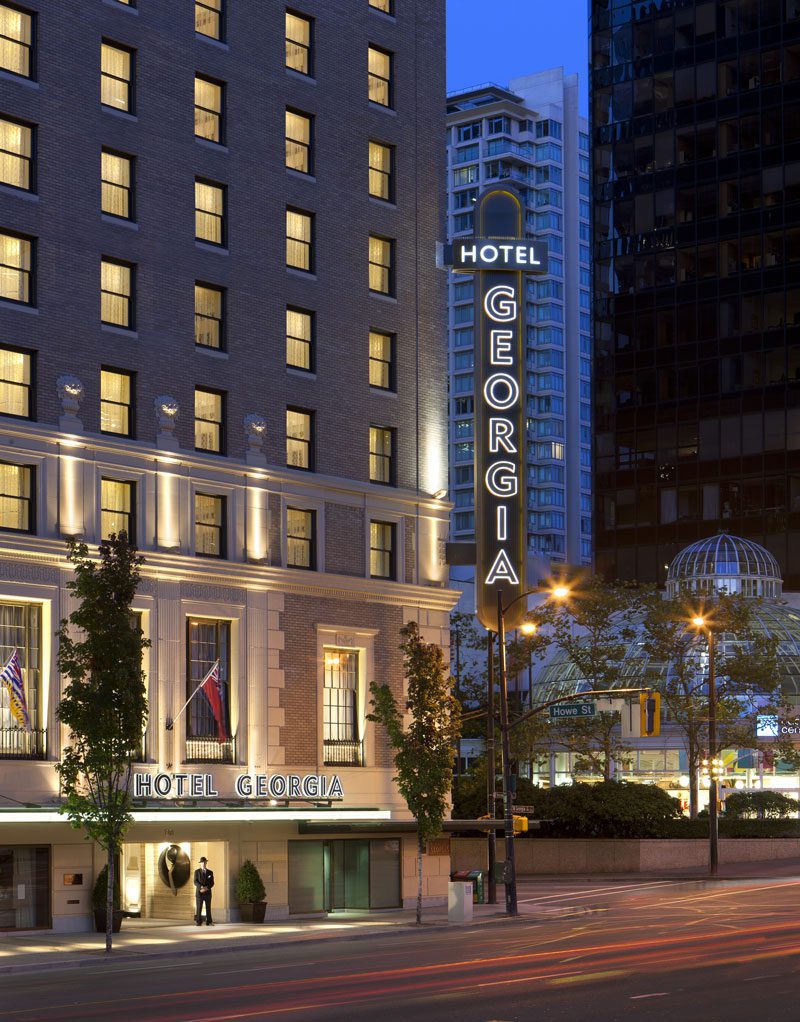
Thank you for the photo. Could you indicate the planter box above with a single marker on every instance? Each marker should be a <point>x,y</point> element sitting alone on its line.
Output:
<point>100,920</point>
<point>253,913</point>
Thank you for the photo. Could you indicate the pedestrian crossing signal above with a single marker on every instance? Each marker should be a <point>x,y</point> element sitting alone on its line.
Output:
<point>520,824</point>
<point>650,713</point>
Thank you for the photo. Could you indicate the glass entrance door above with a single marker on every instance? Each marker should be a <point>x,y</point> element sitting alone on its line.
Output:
<point>24,887</point>
<point>348,873</point>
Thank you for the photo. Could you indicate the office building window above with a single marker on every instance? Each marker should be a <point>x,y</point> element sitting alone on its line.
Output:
<point>209,212</point>
<point>16,497</point>
<point>208,109</point>
<point>117,508</point>
<point>116,184</point>
<point>381,171</point>
<point>209,525</point>
<point>387,6</point>
<point>381,265</point>
<point>209,316</point>
<point>381,361</point>
<point>300,240</point>
<point>208,18</point>
<point>16,41</point>
<point>381,549</point>
<point>16,378</point>
<point>299,142</point>
<point>16,154</point>
<point>341,744</point>
<point>299,439</point>
<point>116,293</point>
<point>209,420</point>
<point>381,455</point>
<point>208,643</point>
<point>300,339</point>
<point>116,77</point>
<point>380,76</point>
<point>301,539</point>
<point>16,261</point>
<point>116,402</point>
<point>299,43</point>
<point>20,630</point>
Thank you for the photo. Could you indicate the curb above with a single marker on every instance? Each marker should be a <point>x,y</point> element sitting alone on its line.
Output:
<point>98,957</point>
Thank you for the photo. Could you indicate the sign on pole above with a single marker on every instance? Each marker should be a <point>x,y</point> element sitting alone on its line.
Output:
<point>562,711</point>
<point>499,254</point>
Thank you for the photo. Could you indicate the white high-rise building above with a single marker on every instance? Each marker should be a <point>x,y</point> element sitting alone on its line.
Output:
<point>531,135</point>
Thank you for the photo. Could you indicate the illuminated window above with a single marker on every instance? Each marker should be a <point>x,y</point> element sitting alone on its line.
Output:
<point>300,339</point>
<point>299,439</point>
<point>116,402</point>
<point>16,497</point>
<point>209,212</point>
<point>21,630</point>
<point>116,293</point>
<point>381,171</point>
<point>116,77</point>
<point>208,316</point>
<point>16,374</point>
<point>208,18</point>
<point>299,142</point>
<point>16,154</point>
<point>382,5</point>
<point>299,42</point>
<point>208,643</point>
<point>381,455</point>
<point>300,240</point>
<point>16,41</point>
<point>381,268</point>
<point>16,257</point>
<point>117,184</point>
<point>381,362</point>
<point>208,99</point>
<point>117,508</point>
<point>379,76</point>
<point>301,538</point>
<point>209,417</point>
<point>209,525</point>
<point>341,744</point>
<point>381,549</point>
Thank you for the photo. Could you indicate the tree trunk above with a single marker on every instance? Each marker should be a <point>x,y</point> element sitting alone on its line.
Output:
<point>607,757</point>
<point>110,899</point>
<point>420,847</point>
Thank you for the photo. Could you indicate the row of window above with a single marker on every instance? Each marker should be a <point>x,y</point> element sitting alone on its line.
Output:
<point>117,278</point>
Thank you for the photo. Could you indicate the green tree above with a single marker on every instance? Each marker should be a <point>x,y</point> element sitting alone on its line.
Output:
<point>593,628</point>
<point>104,704</point>
<point>423,747</point>
<point>677,666</point>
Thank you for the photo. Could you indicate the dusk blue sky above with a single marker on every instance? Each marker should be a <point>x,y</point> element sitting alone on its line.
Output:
<point>495,40</point>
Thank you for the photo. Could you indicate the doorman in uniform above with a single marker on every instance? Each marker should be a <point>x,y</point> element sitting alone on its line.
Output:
<point>203,883</point>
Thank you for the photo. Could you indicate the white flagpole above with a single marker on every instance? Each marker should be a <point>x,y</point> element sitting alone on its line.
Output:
<point>171,723</point>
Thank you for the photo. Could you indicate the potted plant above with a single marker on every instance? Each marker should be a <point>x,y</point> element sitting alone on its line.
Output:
<point>99,902</point>
<point>250,894</point>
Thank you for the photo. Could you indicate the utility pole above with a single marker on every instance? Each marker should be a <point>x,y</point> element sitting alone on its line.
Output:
<point>713,820</point>
<point>490,769</point>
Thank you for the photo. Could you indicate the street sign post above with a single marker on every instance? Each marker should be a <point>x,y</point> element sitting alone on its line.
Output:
<point>563,711</point>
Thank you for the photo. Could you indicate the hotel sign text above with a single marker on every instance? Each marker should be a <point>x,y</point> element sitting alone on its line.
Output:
<point>276,786</point>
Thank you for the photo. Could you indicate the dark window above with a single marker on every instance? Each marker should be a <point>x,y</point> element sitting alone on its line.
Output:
<point>17,497</point>
<point>116,402</point>
<point>299,43</point>
<point>117,508</point>
<point>299,439</point>
<point>301,539</point>
<point>116,77</point>
<point>382,549</point>
<point>116,195</point>
<point>300,339</point>
<point>209,525</point>
<point>16,383</point>
<point>16,153</point>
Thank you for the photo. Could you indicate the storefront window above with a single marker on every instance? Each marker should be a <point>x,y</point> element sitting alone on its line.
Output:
<point>20,628</point>
<point>208,734</point>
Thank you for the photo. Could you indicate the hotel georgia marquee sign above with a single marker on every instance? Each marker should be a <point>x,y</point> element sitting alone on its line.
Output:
<point>499,254</point>
<point>245,786</point>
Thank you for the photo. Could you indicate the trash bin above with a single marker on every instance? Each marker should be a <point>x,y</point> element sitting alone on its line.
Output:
<point>459,902</point>
<point>477,878</point>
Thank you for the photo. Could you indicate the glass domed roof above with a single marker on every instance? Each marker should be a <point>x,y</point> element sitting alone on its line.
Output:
<point>725,562</point>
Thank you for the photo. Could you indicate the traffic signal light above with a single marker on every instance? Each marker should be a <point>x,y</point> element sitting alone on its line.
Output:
<point>520,824</point>
<point>650,710</point>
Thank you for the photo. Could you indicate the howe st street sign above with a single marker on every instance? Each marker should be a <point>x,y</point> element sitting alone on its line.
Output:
<point>571,710</point>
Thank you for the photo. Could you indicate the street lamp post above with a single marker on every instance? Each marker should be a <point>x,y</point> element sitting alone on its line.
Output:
<point>508,794</point>
<point>713,819</point>
<point>490,771</point>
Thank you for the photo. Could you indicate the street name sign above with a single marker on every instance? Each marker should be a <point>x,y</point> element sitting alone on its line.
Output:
<point>572,710</point>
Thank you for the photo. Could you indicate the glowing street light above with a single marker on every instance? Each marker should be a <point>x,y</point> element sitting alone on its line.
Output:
<point>560,592</point>
<point>702,624</point>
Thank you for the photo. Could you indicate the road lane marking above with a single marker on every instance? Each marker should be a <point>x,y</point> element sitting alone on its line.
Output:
<point>597,892</point>
<point>642,997</point>
<point>735,890</point>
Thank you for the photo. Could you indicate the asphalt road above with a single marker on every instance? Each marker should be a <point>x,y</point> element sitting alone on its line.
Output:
<point>658,951</point>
